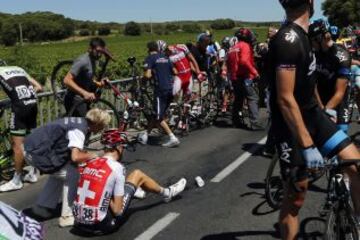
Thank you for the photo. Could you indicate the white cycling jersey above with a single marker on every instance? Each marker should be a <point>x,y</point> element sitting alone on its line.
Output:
<point>100,180</point>
<point>14,225</point>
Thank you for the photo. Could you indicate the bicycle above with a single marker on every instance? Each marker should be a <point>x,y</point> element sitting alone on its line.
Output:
<point>131,115</point>
<point>6,152</point>
<point>59,72</point>
<point>274,191</point>
<point>340,220</point>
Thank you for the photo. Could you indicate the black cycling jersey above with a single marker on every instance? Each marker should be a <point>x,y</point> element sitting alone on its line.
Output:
<point>15,82</point>
<point>201,57</point>
<point>291,49</point>
<point>330,66</point>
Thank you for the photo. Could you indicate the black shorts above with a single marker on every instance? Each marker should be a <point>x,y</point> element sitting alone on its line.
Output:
<point>23,120</point>
<point>326,136</point>
<point>161,104</point>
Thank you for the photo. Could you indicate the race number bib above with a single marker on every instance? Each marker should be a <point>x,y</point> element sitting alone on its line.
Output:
<point>24,91</point>
<point>86,214</point>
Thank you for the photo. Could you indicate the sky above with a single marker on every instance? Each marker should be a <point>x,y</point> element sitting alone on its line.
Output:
<point>155,10</point>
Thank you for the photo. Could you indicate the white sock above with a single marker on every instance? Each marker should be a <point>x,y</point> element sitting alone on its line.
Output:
<point>165,192</point>
<point>17,178</point>
<point>172,136</point>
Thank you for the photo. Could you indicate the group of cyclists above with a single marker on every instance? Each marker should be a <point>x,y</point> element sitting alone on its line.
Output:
<point>306,71</point>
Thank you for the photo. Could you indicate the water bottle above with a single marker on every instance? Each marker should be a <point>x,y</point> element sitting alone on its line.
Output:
<point>199,181</point>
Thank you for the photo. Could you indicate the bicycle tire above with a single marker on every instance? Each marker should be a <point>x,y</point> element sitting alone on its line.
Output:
<point>92,142</point>
<point>340,225</point>
<point>273,186</point>
<point>57,79</point>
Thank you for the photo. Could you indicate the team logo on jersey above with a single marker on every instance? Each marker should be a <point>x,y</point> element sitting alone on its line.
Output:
<point>290,36</point>
<point>312,66</point>
<point>341,56</point>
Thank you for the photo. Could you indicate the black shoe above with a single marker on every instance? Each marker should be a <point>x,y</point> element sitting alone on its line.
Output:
<point>256,127</point>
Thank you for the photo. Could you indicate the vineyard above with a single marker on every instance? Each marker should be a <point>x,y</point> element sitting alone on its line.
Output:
<point>39,59</point>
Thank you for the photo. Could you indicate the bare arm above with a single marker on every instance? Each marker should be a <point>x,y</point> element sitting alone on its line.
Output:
<point>355,62</point>
<point>37,86</point>
<point>317,95</point>
<point>79,156</point>
<point>285,84</point>
<point>340,89</point>
<point>69,81</point>
<point>194,63</point>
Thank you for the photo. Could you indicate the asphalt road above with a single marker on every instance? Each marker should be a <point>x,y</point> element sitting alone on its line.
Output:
<point>228,206</point>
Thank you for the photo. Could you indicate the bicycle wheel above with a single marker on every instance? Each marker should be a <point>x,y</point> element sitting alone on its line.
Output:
<point>93,141</point>
<point>57,79</point>
<point>274,191</point>
<point>340,225</point>
<point>6,160</point>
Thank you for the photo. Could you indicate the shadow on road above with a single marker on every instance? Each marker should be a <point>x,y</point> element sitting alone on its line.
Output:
<point>254,148</point>
<point>243,235</point>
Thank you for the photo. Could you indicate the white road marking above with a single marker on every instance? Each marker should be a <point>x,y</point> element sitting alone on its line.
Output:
<point>157,227</point>
<point>235,164</point>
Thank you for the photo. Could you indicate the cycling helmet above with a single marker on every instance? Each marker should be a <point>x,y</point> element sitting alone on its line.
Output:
<point>335,33</point>
<point>225,42</point>
<point>297,3</point>
<point>233,41</point>
<point>162,45</point>
<point>203,37</point>
<point>318,28</point>
<point>112,138</point>
<point>209,34</point>
<point>244,34</point>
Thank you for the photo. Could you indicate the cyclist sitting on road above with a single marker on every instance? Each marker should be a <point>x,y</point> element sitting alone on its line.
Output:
<point>55,149</point>
<point>160,68</point>
<point>105,192</point>
<point>81,79</point>
<point>333,74</point>
<point>303,132</point>
<point>182,60</point>
<point>21,88</point>
<point>242,71</point>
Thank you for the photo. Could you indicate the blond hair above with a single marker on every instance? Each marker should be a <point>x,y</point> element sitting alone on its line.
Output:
<point>98,116</point>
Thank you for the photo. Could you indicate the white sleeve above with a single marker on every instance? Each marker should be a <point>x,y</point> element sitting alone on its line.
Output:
<point>119,188</point>
<point>76,139</point>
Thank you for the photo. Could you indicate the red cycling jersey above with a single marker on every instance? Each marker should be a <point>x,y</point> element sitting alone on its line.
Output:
<point>100,180</point>
<point>179,53</point>
<point>240,62</point>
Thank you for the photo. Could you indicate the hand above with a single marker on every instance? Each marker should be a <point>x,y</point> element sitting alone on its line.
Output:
<point>89,96</point>
<point>332,114</point>
<point>313,158</point>
<point>223,74</point>
<point>201,76</point>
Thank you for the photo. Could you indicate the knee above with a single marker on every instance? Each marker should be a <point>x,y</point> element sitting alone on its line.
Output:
<point>135,176</point>
<point>295,203</point>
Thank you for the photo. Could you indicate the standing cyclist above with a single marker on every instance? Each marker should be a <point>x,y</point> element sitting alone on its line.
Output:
<point>160,68</point>
<point>333,64</point>
<point>303,132</point>
<point>81,79</point>
<point>21,88</point>
<point>241,67</point>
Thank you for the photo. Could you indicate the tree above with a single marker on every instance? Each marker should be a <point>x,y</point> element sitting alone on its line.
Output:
<point>9,33</point>
<point>219,24</point>
<point>132,29</point>
<point>104,31</point>
<point>84,32</point>
<point>192,28</point>
<point>342,12</point>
